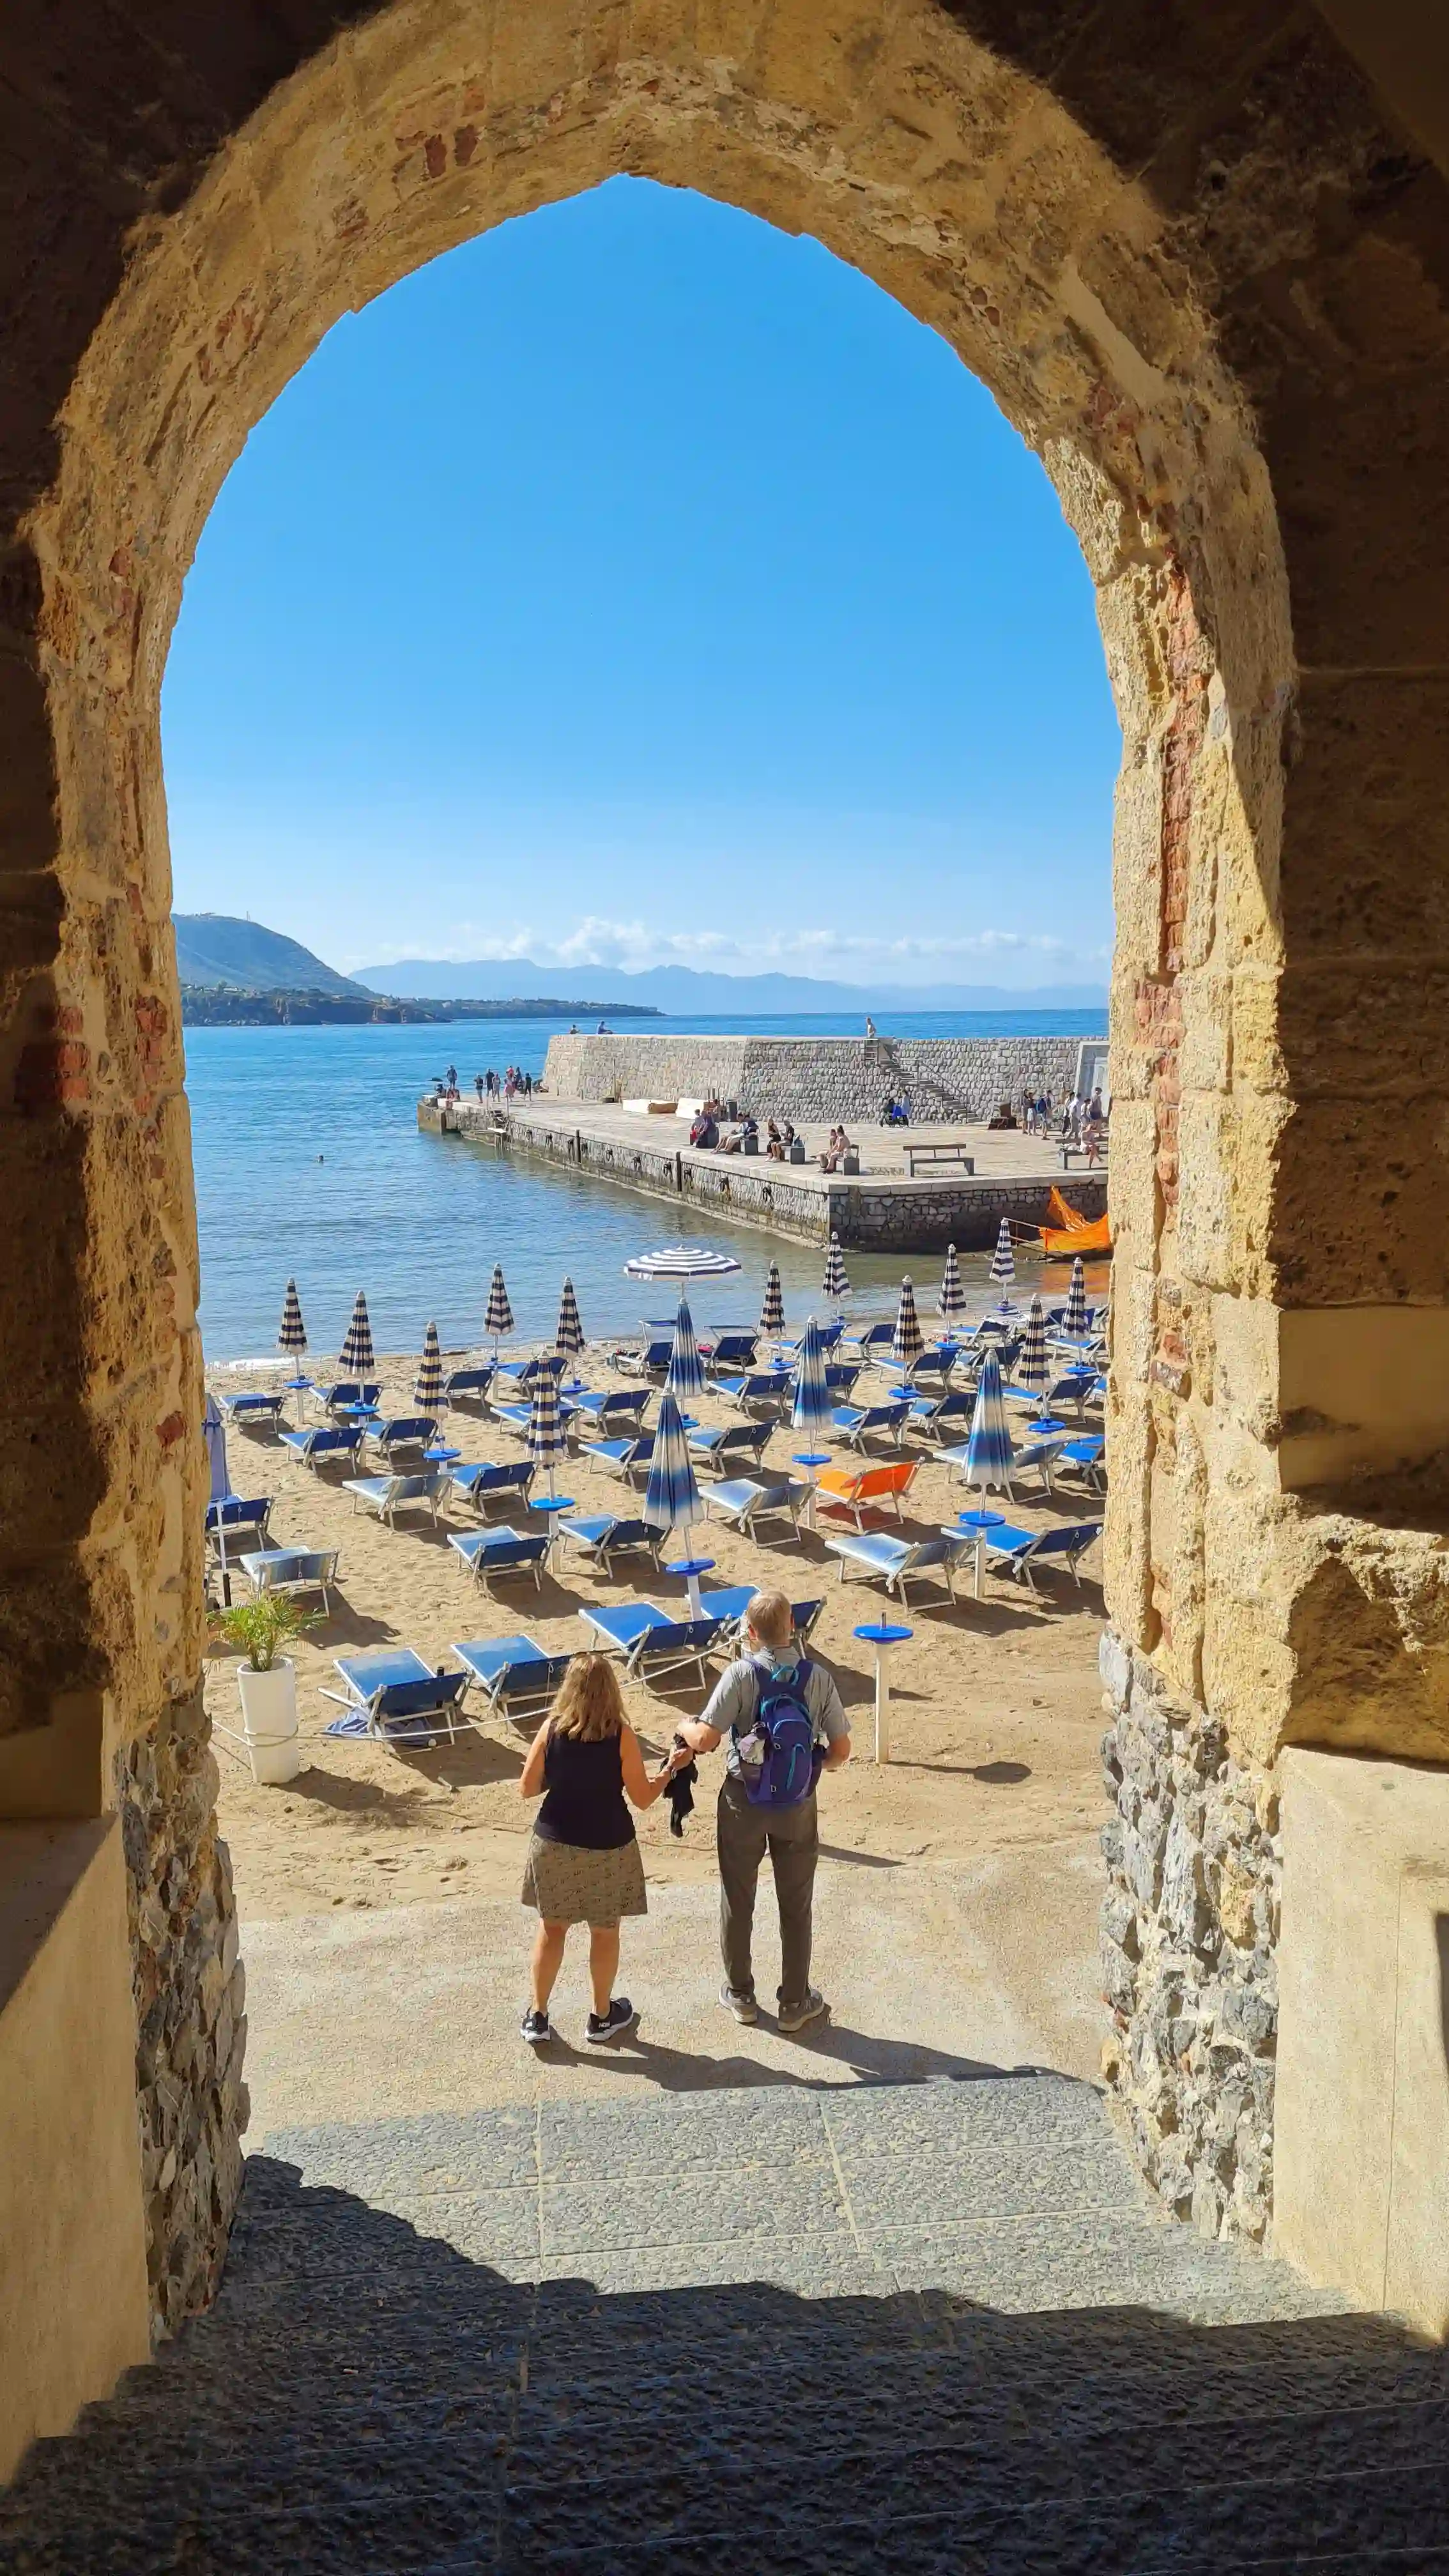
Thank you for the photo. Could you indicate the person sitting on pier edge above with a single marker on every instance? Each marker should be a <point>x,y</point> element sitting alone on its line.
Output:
<point>704,1132</point>
<point>836,1151</point>
<point>774,1143</point>
<point>734,1142</point>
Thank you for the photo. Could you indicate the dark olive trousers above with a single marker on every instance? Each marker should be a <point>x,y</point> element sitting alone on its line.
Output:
<point>791,1835</point>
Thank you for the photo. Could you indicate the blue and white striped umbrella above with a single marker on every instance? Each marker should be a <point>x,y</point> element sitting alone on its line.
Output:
<point>835,1285</point>
<point>671,1498</point>
<point>546,1437</point>
<point>989,1453</point>
<point>812,1411</point>
<point>680,1261</point>
<point>772,1313</point>
<point>428,1392</point>
<point>952,1300</point>
<point>685,1376</point>
<point>356,1355</point>
<point>1074,1321</point>
<point>907,1341</point>
<point>1031,1366</point>
<point>1003,1260</point>
<point>293,1334</point>
<point>499,1318</point>
<point>570,1335</point>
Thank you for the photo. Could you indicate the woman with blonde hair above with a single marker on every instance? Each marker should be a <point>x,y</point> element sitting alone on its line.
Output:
<point>583,1857</point>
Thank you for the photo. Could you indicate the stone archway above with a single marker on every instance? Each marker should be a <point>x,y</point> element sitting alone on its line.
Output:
<point>1203,272</point>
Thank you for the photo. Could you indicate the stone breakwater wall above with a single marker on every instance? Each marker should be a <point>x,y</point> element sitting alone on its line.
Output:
<point>949,1081</point>
<point>922,1216</point>
<point>1189,1935</point>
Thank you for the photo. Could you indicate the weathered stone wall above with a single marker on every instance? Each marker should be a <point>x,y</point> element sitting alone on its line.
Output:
<point>1204,269</point>
<point>947,1080</point>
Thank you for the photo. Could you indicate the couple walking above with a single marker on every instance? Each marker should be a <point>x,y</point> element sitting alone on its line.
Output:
<point>780,1718</point>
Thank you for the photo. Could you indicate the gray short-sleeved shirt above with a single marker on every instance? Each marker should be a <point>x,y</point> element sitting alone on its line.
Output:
<point>736,1696</point>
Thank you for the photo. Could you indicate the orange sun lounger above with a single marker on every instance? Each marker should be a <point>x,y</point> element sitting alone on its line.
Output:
<point>842,1489</point>
<point>1070,1232</point>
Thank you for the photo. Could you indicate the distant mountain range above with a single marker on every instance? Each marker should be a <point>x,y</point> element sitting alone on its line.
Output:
<point>683,989</point>
<point>242,957</point>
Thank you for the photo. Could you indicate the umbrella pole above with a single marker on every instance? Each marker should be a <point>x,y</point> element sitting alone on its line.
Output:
<point>221,1551</point>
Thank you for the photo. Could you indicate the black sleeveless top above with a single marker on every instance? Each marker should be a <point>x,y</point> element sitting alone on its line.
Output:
<point>583,1799</point>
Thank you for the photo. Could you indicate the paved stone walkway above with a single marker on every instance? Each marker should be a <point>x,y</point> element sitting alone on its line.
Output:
<point>930,2327</point>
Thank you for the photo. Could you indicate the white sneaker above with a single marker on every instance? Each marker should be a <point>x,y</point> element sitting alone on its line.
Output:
<point>795,2016</point>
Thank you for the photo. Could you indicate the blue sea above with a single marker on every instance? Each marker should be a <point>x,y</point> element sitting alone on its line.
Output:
<point>310,1165</point>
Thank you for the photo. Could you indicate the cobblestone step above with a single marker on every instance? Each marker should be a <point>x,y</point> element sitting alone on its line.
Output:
<point>926,2327</point>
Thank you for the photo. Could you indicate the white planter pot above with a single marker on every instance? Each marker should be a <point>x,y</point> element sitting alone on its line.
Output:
<point>269,1722</point>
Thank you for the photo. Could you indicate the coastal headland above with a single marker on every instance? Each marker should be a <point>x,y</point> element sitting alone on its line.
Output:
<point>639,1139</point>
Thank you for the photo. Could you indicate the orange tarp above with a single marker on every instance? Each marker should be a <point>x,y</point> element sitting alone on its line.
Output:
<point>1072,1232</point>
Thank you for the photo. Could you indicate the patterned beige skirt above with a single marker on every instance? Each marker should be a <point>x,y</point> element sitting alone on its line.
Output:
<point>571,1885</point>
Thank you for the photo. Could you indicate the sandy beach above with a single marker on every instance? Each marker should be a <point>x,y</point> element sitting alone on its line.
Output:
<point>995,1703</point>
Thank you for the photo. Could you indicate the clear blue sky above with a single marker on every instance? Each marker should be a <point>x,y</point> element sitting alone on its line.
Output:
<point>639,585</point>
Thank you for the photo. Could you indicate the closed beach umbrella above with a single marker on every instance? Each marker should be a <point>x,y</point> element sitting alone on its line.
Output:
<point>772,1313</point>
<point>293,1334</point>
<point>1003,1261</point>
<point>1074,1320</point>
<point>671,1497</point>
<point>356,1355</point>
<point>428,1393</point>
<point>685,1378</point>
<point>499,1318</point>
<point>547,1439</point>
<point>835,1283</point>
<point>907,1341</point>
<point>989,1454</point>
<point>213,1431</point>
<point>1031,1368</point>
<point>952,1299</point>
<point>570,1335</point>
<point>812,1411</point>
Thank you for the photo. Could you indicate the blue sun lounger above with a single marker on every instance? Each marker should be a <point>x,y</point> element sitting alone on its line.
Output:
<point>401,1432</point>
<point>327,1444</point>
<point>873,1341</point>
<point>651,1643</point>
<point>607,1535</point>
<point>900,1562</point>
<point>490,1552</point>
<point>520,1374</point>
<point>939,1417</point>
<point>862,1423</point>
<point>828,1334</point>
<point>763,1390</point>
<point>746,1502</point>
<point>389,1495</point>
<point>239,1524</point>
<point>1027,1553</point>
<point>732,1349</point>
<point>483,1483</point>
<point>927,1375</point>
<point>621,1457</point>
<point>1085,1461</point>
<point>345,1390</point>
<point>517,1676</point>
<point>291,1570</point>
<point>652,1361</point>
<point>731,1605</point>
<point>729,1447</point>
<point>390,1693</point>
<point>467,1385</point>
<point>248,1411</point>
<point>617,1410</point>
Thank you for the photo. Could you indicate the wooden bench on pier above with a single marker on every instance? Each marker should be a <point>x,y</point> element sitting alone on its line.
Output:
<point>932,1154</point>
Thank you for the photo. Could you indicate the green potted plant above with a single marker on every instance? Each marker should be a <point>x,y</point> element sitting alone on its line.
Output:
<point>267,1681</point>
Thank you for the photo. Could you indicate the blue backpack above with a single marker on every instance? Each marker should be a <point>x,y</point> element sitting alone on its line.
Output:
<point>786,1735</point>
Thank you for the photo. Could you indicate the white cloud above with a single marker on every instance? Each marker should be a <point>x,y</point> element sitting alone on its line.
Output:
<point>633,946</point>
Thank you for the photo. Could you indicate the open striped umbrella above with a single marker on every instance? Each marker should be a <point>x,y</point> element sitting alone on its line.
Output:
<point>680,1261</point>
<point>428,1393</point>
<point>685,1377</point>
<point>546,1437</point>
<point>952,1300</point>
<point>1003,1260</point>
<point>499,1318</point>
<point>1031,1367</point>
<point>570,1335</point>
<point>1074,1321</point>
<point>293,1334</point>
<point>356,1355</point>
<point>907,1341</point>
<point>772,1313</point>
<point>812,1411</point>
<point>989,1454</point>
<point>835,1284</point>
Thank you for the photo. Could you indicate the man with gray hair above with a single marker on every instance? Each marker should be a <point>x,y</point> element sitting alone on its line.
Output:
<point>782,1715</point>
